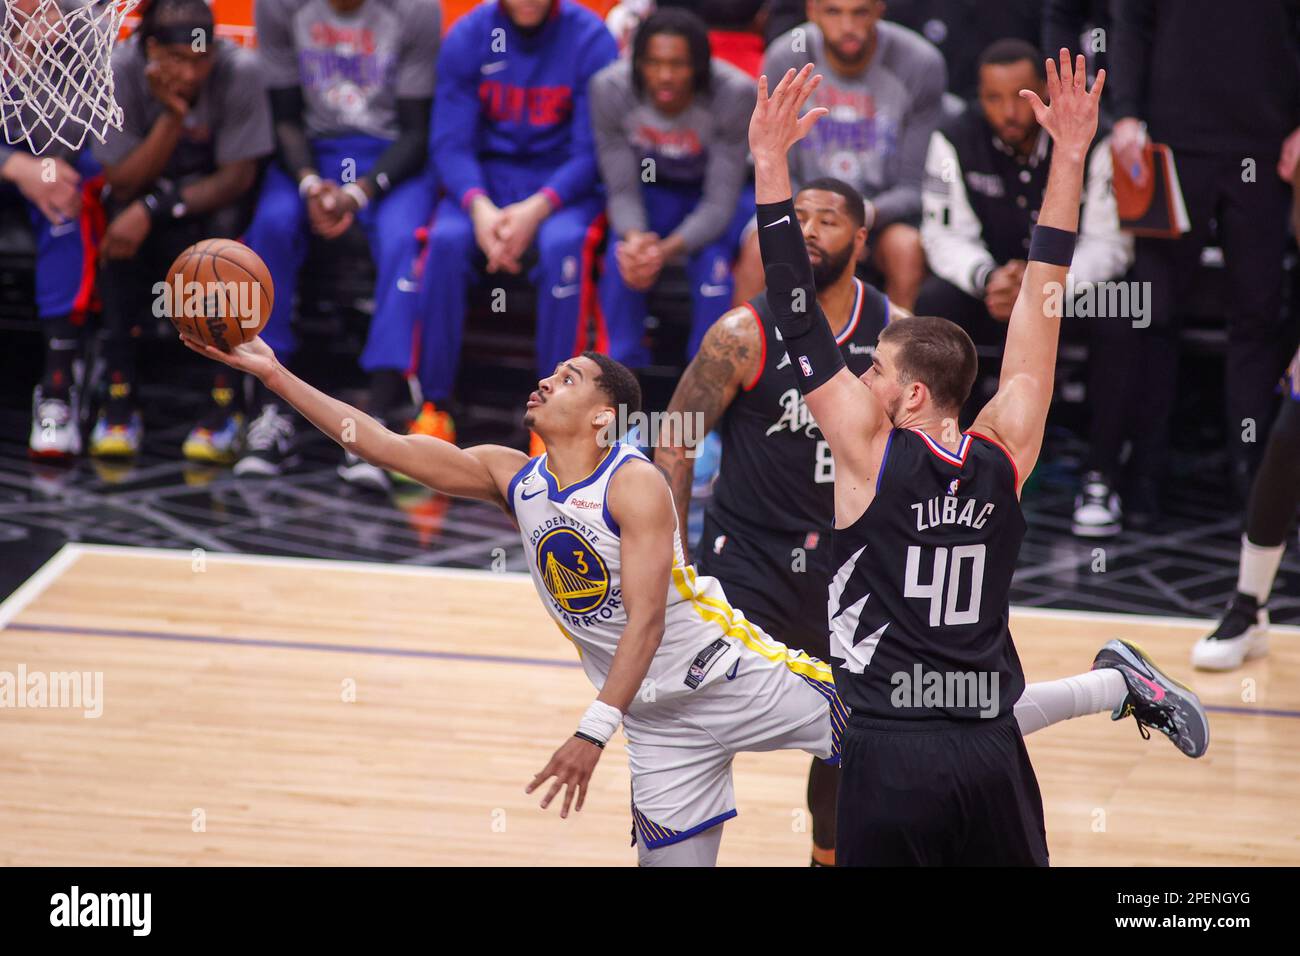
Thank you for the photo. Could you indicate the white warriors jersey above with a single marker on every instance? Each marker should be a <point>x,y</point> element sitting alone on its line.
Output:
<point>572,544</point>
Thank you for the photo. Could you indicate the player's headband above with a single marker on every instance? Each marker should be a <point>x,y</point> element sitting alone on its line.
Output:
<point>183,33</point>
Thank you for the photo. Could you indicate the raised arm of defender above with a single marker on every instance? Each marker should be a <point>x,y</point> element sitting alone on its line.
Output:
<point>849,416</point>
<point>1016,415</point>
<point>483,472</point>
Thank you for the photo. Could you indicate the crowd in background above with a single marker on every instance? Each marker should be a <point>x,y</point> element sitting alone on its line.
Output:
<point>534,134</point>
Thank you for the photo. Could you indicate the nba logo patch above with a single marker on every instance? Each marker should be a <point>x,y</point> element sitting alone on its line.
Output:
<point>953,485</point>
<point>719,543</point>
<point>569,268</point>
<point>805,365</point>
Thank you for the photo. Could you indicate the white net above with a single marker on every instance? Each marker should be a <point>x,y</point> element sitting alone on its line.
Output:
<point>57,83</point>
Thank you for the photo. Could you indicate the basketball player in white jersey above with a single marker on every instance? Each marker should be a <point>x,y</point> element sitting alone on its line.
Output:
<point>690,679</point>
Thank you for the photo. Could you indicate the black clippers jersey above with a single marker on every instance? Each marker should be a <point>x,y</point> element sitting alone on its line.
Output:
<point>776,473</point>
<point>919,602</point>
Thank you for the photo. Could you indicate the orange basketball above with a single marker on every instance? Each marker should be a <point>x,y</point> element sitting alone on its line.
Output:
<point>218,291</point>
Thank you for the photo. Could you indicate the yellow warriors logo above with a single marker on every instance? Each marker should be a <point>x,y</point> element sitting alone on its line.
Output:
<point>572,571</point>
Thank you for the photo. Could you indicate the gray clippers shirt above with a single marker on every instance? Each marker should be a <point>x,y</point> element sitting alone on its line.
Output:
<point>230,120</point>
<point>705,146</point>
<point>880,121</point>
<point>352,67</point>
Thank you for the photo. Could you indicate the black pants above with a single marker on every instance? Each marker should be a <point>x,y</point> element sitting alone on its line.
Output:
<point>1134,371</point>
<point>1275,494</point>
<point>126,285</point>
<point>758,574</point>
<point>938,793</point>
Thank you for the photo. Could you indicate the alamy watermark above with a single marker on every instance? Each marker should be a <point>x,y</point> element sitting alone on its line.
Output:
<point>239,299</point>
<point>63,690</point>
<point>655,429</point>
<point>948,690</point>
<point>1099,300</point>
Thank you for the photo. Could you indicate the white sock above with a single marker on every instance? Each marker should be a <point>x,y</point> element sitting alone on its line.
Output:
<point>1051,701</point>
<point>1258,569</point>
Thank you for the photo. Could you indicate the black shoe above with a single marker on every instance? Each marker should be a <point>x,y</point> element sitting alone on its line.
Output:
<point>269,445</point>
<point>1242,635</point>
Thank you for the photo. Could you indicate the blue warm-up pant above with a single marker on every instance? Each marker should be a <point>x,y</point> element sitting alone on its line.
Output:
<point>565,242</point>
<point>708,268</point>
<point>280,232</point>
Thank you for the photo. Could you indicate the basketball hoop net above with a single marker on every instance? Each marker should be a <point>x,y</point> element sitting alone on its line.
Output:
<point>56,83</point>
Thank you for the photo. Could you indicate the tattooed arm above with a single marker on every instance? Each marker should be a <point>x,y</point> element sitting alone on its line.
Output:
<point>728,358</point>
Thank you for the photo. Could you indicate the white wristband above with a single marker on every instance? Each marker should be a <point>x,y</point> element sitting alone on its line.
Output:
<point>357,194</point>
<point>600,721</point>
<point>307,183</point>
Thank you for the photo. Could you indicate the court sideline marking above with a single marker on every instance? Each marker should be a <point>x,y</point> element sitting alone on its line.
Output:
<point>71,552</point>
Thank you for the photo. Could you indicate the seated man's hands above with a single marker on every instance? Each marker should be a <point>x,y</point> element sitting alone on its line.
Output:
<point>640,260</point>
<point>57,196</point>
<point>328,209</point>
<point>1002,289</point>
<point>126,232</point>
<point>487,217</point>
<point>167,88</point>
<point>517,228</point>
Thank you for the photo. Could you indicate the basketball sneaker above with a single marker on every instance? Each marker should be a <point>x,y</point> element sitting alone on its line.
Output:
<point>355,470</point>
<point>1242,635</point>
<point>1097,512</point>
<point>269,446</point>
<point>119,429</point>
<point>433,422</point>
<point>1156,700</point>
<point>215,439</point>
<point>55,433</point>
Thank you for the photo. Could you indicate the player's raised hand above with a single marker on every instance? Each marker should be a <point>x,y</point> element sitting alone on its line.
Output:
<point>571,766</point>
<point>254,356</point>
<point>1070,116</point>
<point>776,124</point>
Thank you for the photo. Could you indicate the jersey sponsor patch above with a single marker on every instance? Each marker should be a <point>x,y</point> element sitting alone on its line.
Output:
<point>703,661</point>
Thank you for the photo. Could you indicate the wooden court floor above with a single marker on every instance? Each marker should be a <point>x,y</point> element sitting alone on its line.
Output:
<point>284,711</point>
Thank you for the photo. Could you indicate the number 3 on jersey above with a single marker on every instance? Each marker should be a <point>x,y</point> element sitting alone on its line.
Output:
<point>941,610</point>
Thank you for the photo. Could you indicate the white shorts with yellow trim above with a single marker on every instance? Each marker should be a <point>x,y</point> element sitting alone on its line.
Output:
<point>680,752</point>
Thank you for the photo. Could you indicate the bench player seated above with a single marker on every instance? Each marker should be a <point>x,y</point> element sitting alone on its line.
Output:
<point>690,678</point>
<point>351,88</point>
<point>195,126</point>
<point>60,192</point>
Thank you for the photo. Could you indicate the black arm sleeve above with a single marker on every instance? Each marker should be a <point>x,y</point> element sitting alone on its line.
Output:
<point>291,146</point>
<point>408,153</point>
<point>792,296</point>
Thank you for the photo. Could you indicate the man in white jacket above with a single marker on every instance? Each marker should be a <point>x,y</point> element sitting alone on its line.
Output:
<point>984,178</point>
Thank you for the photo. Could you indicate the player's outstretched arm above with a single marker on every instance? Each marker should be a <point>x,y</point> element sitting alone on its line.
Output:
<point>728,359</point>
<point>1016,415</point>
<point>846,411</point>
<point>640,502</point>
<point>483,473</point>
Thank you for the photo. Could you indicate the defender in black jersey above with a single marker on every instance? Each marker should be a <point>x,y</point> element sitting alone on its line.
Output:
<point>767,525</point>
<point>929,526</point>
